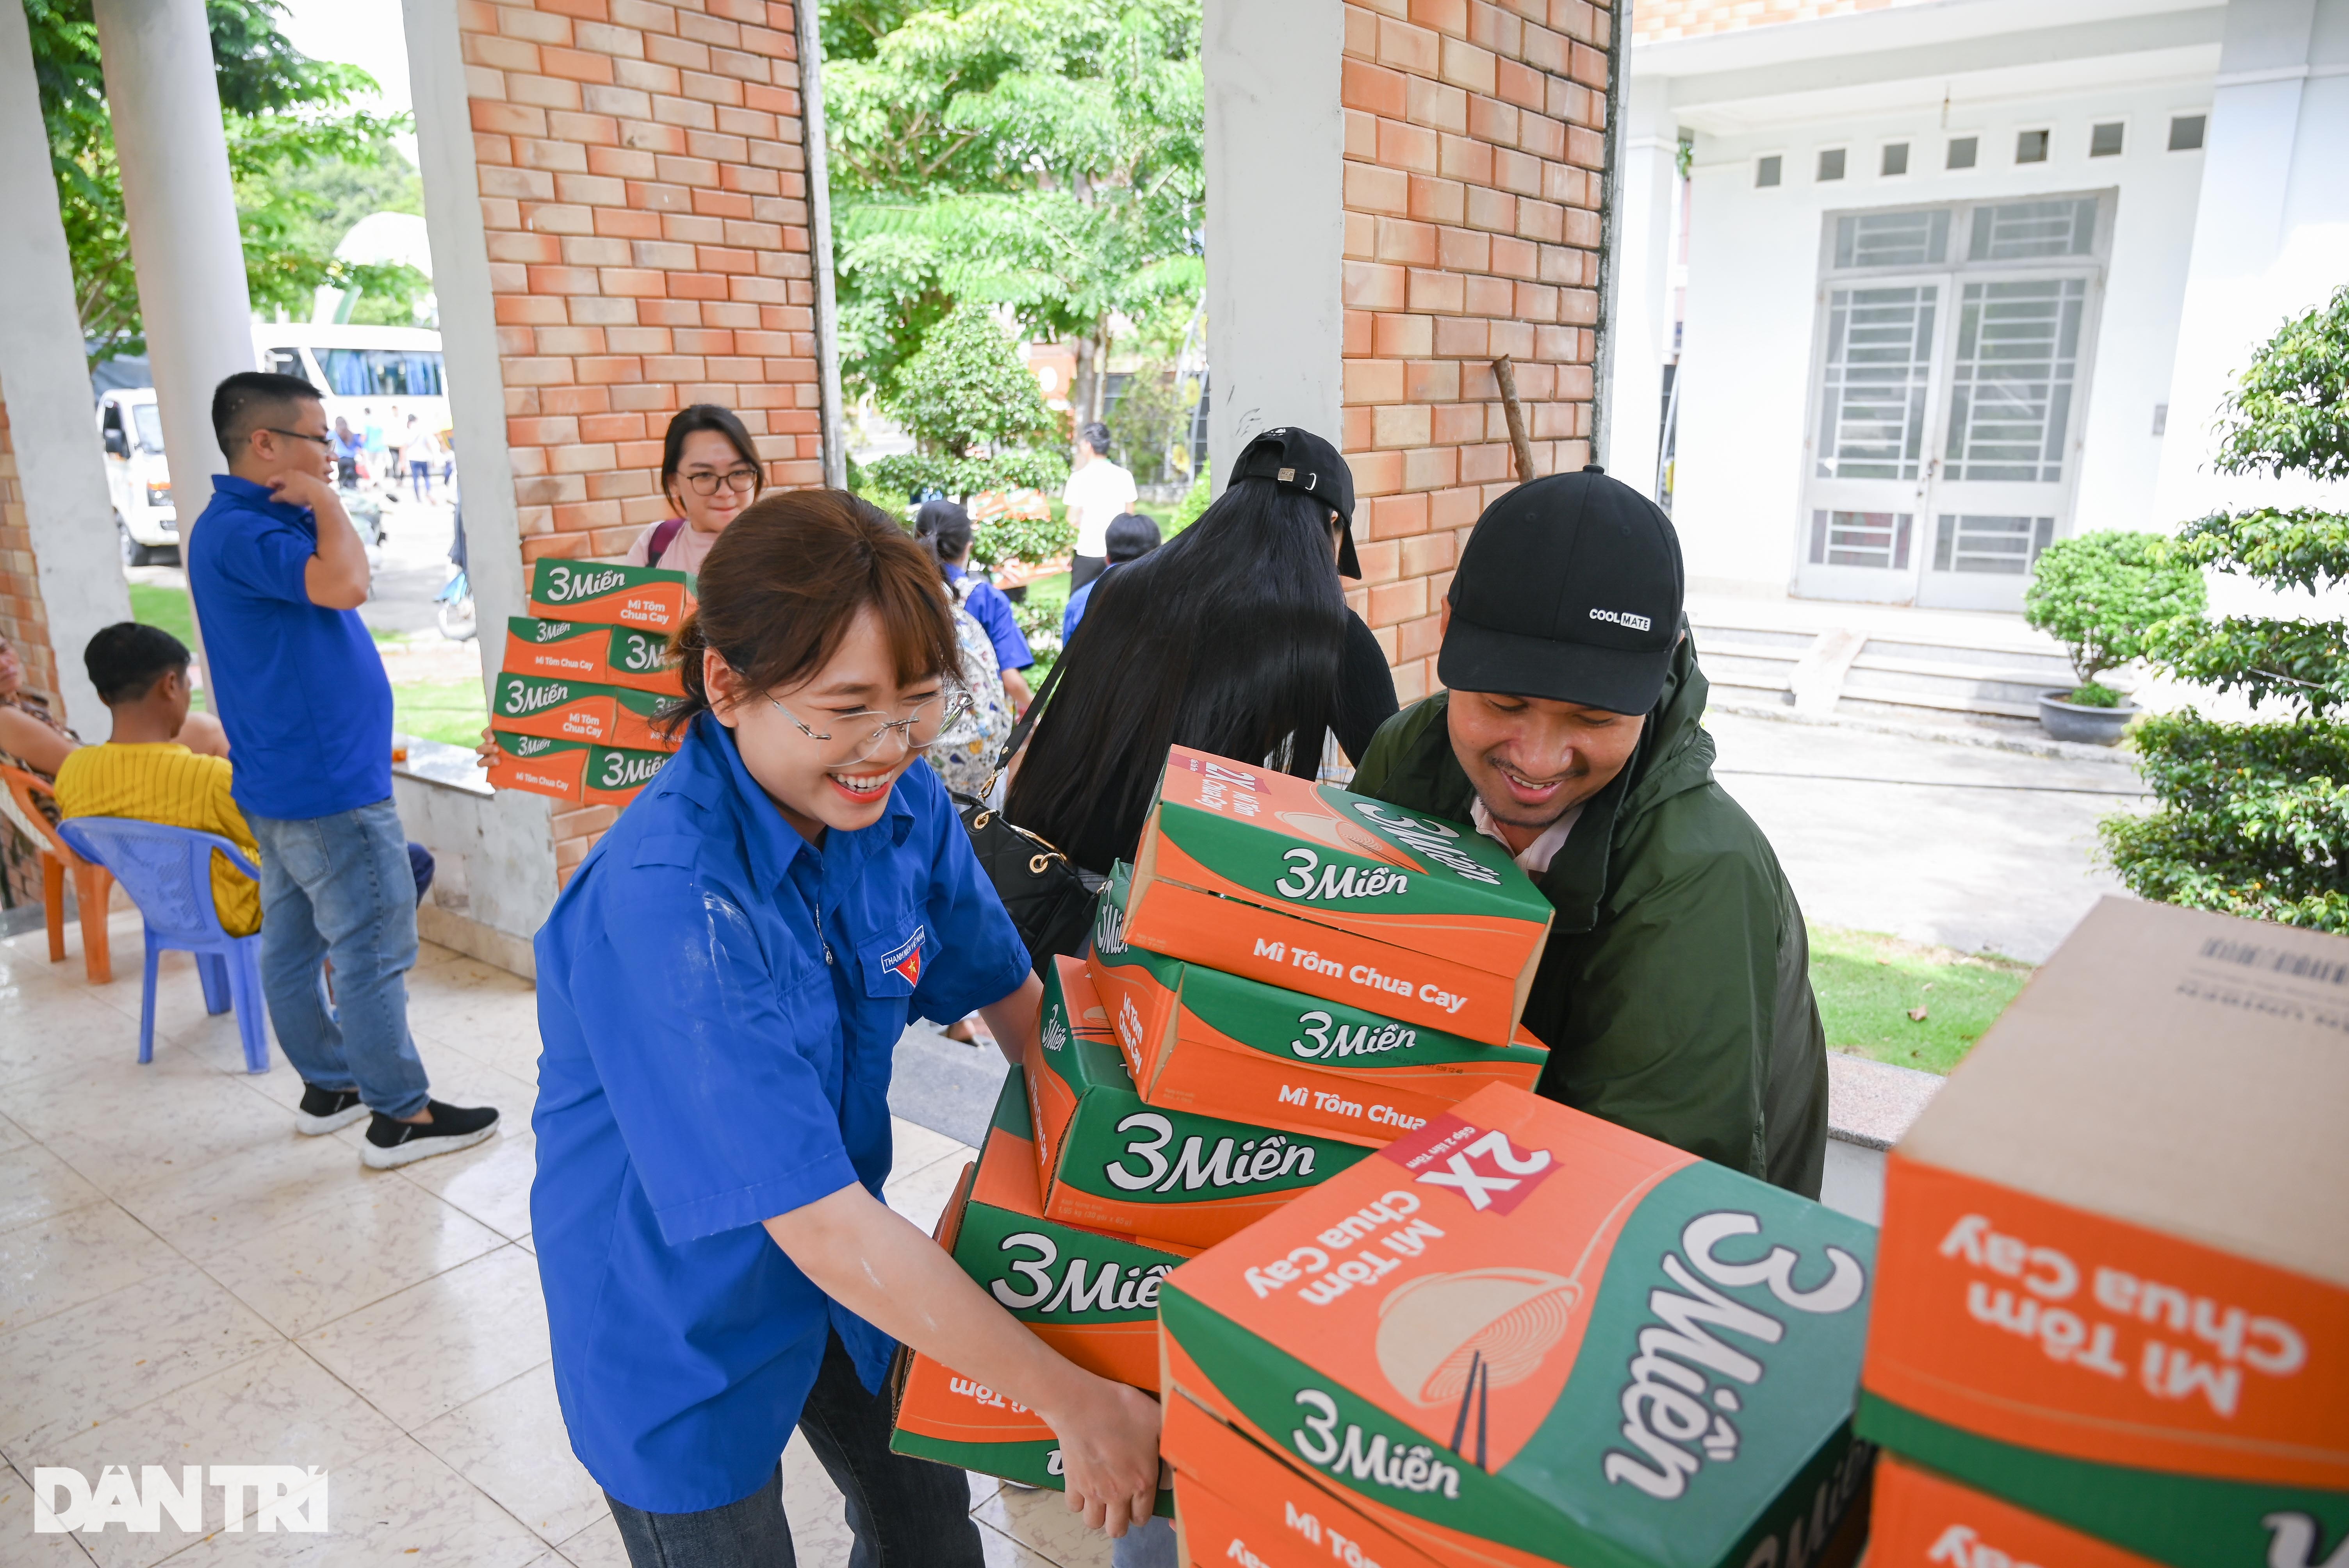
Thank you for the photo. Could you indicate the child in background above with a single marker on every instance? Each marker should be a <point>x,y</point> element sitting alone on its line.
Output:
<point>144,771</point>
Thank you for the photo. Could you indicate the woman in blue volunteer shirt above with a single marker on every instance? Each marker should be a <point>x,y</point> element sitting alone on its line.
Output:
<point>721,986</point>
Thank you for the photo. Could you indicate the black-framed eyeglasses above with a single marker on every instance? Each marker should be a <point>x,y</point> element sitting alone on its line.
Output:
<point>741,481</point>
<point>326,441</point>
<point>860,736</point>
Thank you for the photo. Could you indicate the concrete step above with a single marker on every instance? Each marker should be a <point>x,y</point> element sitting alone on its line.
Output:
<point>1936,670</point>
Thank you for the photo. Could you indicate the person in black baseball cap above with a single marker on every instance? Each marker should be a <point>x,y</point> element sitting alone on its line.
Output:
<point>1675,992</point>
<point>1299,460</point>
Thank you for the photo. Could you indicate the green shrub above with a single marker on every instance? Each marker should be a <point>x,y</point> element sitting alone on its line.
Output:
<point>2100,595</point>
<point>976,416</point>
<point>2095,695</point>
<point>2254,817</point>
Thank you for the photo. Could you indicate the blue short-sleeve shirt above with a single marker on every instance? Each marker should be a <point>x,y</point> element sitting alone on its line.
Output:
<point>299,687</point>
<point>714,1057</point>
<point>992,611</point>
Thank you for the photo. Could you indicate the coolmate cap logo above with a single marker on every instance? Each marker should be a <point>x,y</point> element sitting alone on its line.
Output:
<point>906,959</point>
<point>1483,1167</point>
<point>1623,618</point>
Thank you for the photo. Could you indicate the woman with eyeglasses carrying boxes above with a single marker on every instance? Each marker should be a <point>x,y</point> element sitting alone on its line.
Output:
<point>720,987</point>
<point>709,472</point>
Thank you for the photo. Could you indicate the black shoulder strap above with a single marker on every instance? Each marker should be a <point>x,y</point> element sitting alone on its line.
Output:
<point>1035,711</point>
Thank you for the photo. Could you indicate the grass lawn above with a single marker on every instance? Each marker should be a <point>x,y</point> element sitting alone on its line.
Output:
<point>448,710</point>
<point>1869,985</point>
<point>453,711</point>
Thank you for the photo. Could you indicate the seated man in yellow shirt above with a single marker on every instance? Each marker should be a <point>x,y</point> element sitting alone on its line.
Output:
<point>143,772</point>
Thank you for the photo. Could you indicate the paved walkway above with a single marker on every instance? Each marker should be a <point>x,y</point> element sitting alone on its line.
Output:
<point>1965,846</point>
<point>185,1280</point>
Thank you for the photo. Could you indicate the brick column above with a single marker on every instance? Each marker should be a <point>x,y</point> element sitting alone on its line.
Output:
<point>1475,157</point>
<point>644,195</point>
<point>26,624</point>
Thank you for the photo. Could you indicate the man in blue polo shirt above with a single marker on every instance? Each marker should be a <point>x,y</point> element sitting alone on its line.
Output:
<point>278,576</point>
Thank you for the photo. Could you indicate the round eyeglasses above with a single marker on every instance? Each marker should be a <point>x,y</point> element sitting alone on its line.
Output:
<point>741,481</point>
<point>860,736</point>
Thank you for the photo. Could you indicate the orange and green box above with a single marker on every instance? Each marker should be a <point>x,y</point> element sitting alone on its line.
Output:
<point>602,656</point>
<point>1523,1335</point>
<point>1112,1162</point>
<point>1093,1295</point>
<point>2114,1287</point>
<point>578,710</point>
<point>598,594</point>
<point>1241,1504</point>
<point>950,1419</point>
<point>1306,886</point>
<point>1920,1519</point>
<point>575,770</point>
<point>1196,1038</point>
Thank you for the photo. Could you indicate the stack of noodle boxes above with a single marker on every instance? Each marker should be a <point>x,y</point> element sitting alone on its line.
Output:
<point>1274,1157</point>
<point>586,673</point>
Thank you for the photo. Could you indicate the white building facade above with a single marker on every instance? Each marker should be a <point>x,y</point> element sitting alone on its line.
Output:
<point>1946,280</point>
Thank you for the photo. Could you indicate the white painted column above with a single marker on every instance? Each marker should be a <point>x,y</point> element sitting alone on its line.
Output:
<point>819,200</point>
<point>52,425</point>
<point>183,236</point>
<point>1275,220</point>
<point>184,233</point>
<point>514,889</point>
<point>2271,234</point>
<point>1640,340</point>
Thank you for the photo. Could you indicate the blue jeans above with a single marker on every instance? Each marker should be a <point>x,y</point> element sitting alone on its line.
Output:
<point>342,887</point>
<point>904,1513</point>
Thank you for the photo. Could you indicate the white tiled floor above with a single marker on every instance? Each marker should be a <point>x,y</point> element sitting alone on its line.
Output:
<point>184,1280</point>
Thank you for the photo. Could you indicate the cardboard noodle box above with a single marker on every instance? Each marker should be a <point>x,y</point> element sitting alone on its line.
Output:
<point>1093,1295</point>
<point>1523,1335</point>
<point>578,710</point>
<point>604,655</point>
<point>572,770</point>
<point>598,594</point>
<point>1196,1038</point>
<point>1304,885</point>
<point>2114,1277</point>
<point>1919,1520</point>
<point>1111,1163</point>
<point>943,1417</point>
<point>940,1415</point>
<point>1240,1504</point>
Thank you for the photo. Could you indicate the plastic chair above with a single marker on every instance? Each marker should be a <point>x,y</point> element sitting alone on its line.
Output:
<point>167,872</point>
<point>93,886</point>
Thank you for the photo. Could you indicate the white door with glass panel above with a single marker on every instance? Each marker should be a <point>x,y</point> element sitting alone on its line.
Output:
<point>1952,377</point>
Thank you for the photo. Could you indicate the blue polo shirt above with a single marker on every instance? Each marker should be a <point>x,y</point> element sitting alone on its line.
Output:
<point>992,611</point>
<point>299,687</point>
<point>713,1057</point>
<point>1074,611</point>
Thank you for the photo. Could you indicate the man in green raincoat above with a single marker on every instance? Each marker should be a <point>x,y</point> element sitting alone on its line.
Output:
<point>1675,993</point>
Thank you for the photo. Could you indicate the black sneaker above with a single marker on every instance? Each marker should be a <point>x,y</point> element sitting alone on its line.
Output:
<point>390,1142</point>
<point>327,1110</point>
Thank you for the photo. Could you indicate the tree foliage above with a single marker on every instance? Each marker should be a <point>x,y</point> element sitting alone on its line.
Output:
<point>2101,593</point>
<point>1041,154</point>
<point>286,119</point>
<point>976,415</point>
<point>2254,817</point>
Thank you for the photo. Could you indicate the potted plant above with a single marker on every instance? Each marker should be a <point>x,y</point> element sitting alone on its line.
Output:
<point>2101,596</point>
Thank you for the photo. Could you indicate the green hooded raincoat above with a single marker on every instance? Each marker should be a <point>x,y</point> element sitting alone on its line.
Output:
<point>1675,993</point>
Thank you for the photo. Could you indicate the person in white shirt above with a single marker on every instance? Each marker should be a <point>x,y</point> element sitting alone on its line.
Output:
<point>1098,491</point>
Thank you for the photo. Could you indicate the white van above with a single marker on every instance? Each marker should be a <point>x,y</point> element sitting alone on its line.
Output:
<point>137,479</point>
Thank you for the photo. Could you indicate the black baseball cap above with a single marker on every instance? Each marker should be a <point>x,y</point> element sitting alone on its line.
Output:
<point>1301,460</point>
<point>1570,589</point>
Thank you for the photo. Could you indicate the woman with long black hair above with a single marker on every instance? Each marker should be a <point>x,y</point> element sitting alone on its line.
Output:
<point>1234,638</point>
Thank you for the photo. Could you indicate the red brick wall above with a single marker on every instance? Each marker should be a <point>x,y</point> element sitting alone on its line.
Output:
<point>26,624</point>
<point>644,191</point>
<point>1475,157</point>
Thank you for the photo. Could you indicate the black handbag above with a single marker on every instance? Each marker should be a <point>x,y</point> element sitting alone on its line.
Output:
<point>1041,891</point>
